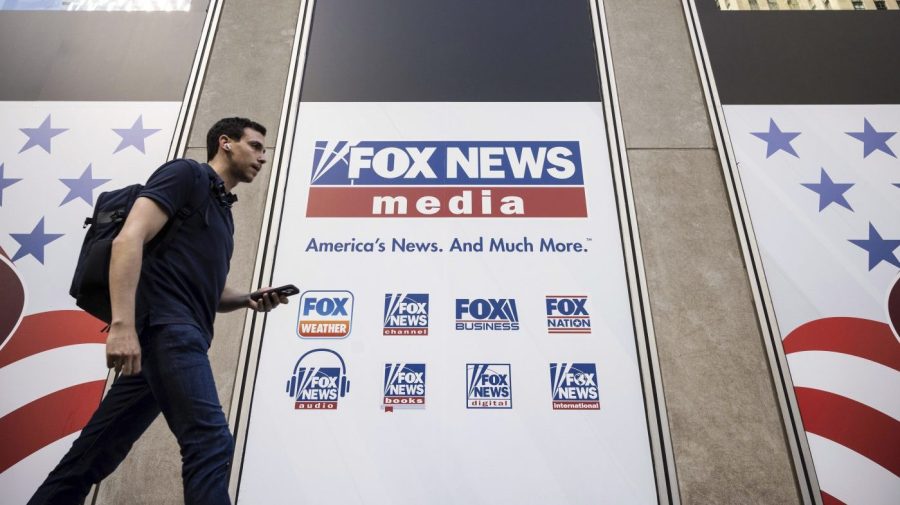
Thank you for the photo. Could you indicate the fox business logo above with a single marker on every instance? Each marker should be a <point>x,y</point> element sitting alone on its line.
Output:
<point>446,179</point>
<point>404,386</point>
<point>492,314</point>
<point>325,314</point>
<point>318,381</point>
<point>567,314</point>
<point>488,386</point>
<point>573,386</point>
<point>406,314</point>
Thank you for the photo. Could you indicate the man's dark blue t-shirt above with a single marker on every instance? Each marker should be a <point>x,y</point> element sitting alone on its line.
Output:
<point>184,282</point>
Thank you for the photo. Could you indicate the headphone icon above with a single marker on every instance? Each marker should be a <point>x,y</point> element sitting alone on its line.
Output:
<point>299,372</point>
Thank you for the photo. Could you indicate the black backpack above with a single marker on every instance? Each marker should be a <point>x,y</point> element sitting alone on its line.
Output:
<point>90,283</point>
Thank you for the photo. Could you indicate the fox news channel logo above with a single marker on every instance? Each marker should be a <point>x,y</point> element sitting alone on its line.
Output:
<point>318,381</point>
<point>404,386</point>
<point>446,179</point>
<point>567,314</point>
<point>325,314</point>
<point>406,314</point>
<point>488,386</point>
<point>491,314</point>
<point>573,386</point>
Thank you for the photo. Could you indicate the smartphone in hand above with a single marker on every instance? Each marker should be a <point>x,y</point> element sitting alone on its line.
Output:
<point>286,290</point>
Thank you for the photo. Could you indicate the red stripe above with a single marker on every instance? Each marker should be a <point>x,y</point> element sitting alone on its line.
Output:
<point>854,425</point>
<point>827,499</point>
<point>864,338</point>
<point>46,420</point>
<point>49,330</point>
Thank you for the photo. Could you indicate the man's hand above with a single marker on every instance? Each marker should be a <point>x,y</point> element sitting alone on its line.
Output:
<point>266,302</point>
<point>123,350</point>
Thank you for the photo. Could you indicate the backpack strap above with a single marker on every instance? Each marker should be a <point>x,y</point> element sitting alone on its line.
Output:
<point>199,197</point>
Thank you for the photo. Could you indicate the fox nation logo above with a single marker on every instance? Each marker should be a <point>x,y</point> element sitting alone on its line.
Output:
<point>319,380</point>
<point>488,386</point>
<point>573,386</point>
<point>325,314</point>
<point>404,386</point>
<point>568,314</point>
<point>406,314</point>
<point>492,314</point>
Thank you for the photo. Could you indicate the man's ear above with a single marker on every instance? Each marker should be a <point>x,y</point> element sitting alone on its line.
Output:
<point>225,142</point>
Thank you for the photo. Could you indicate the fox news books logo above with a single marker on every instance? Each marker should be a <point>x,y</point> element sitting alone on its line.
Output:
<point>325,314</point>
<point>406,314</point>
<point>492,314</point>
<point>568,314</point>
<point>404,386</point>
<point>446,179</point>
<point>318,381</point>
<point>573,386</point>
<point>488,386</point>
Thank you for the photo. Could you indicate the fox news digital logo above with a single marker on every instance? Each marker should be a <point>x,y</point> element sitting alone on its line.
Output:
<point>319,380</point>
<point>404,386</point>
<point>573,386</point>
<point>446,179</point>
<point>488,386</point>
<point>406,314</point>
<point>568,314</point>
<point>325,314</point>
<point>493,314</point>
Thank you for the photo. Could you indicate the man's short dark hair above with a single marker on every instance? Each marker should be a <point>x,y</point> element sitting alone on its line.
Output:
<point>233,127</point>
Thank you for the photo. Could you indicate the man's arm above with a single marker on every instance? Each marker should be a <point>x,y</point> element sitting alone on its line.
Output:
<point>146,219</point>
<point>233,299</point>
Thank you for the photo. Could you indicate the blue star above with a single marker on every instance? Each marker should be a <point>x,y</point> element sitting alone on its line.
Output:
<point>5,182</point>
<point>33,243</point>
<point>41,135</point>
<point>873,140</point>
<point>134,136</point>
<point>829,191</point>
<point>82,187</point>
<point>777,140</point>
<point>878,248</point>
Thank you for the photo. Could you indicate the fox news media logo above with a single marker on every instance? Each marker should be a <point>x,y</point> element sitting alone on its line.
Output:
<point>488,386</point>
<point>319,380</point>
<point>446,179</point>
<point>573,386</point>
<point>325,314</point>
<point>494,314</point>
<point>404,386</point>
<point>406,314</point>
<point>568,314</point>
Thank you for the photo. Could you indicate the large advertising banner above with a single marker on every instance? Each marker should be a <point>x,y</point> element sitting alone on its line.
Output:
<point>464,330</point>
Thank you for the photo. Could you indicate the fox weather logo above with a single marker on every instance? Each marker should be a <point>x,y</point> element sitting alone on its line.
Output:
<point>318,381</point>
<point>325,314</point>
<point>404,386</point>
<point>493,314</point>
<point>488,386</point>
<point>568,314</point>
<point>573,386</point>
<point>406,314</point>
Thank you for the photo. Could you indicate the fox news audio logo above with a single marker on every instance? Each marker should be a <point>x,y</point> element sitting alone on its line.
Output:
<point>446,179</point>
<point>406,314</point>
<point>404,386</point>
<point>318,381</point>
<point>573,386</point>
<point>568,314</point>
<point>492,314</point>
<point>325,314</point>
<point>488,386</point>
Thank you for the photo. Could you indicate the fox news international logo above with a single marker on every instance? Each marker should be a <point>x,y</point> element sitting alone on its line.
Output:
<point>325,314</point>
<point>573,386</point>
<point>406,314</point>
<point>404,386</point>
<point>318,381</point>
<point>567,314</point>
<point>446,179</point>
<point>491,314</point>
<point>488,386</point>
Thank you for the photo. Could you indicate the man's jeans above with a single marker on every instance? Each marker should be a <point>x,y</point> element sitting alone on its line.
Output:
<point>176,379</point>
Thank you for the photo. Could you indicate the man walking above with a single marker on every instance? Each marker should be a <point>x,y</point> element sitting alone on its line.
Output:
<point>163,307</point>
